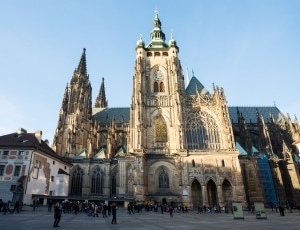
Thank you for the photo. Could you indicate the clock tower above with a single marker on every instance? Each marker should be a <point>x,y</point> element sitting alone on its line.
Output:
<point>156,109</point>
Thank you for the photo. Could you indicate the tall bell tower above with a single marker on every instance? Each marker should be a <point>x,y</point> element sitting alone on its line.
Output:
<point>156,108</point>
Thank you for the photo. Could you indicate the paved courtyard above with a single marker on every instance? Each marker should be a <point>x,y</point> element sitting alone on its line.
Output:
<point>42,219</point>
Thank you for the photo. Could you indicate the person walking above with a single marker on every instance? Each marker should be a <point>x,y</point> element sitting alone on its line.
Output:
<point>95,210</point>
<point>171,211</point>
<point>114,213</point>
<point>7,208</point>
<point>57,215</point>
<point>16,207</point>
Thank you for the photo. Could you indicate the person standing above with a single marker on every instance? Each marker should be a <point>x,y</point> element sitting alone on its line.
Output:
<point>49,205</point>
<point>114,213</point>
<point>33,204</point>
<point>57,215</point>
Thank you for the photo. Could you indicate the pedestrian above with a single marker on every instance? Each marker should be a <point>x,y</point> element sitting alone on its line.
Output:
<point>6,208</point>
<point>33,205</point>
<point>162,209</point>
<point>114,213</point>
<point>95,210</point>
<point>1,205</point>
<point>281,210</point>
<point>57,215</point>
<point>16,207</point>
<point>49,205</point>
<point>171,211</point>
<point>104,209</point>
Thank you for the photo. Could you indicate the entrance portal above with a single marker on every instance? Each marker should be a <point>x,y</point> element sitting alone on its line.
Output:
<point>227,192</point>
<point>196,194</point>
<point>211,193</point>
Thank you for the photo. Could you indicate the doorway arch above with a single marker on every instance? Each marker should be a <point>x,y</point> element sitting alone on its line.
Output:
<point>227,192</point>
<point>212,197</point>
<point>196,194</point>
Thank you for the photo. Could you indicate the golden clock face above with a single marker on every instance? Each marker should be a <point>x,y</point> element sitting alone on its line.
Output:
<point>157,75</point>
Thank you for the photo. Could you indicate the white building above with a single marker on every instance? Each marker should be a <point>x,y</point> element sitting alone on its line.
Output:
<point>30,168</point>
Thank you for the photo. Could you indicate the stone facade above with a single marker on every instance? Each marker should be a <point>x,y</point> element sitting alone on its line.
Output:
<point>174,143</point>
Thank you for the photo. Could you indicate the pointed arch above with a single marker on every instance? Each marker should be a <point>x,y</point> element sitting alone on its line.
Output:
<point>96,181</point>
<point>196,193</point>
<point>155,87</point>
<point>76,181</point>
<point>202,131</point>
<point>212,194</point>
<point>161,133</point>
<point>102,141</point>
<point>227,192</point>
<point>114,184</point>
<point>161,87</point>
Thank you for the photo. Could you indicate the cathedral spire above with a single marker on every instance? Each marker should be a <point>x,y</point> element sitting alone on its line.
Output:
<point>157,35</point>
<point>82,64</point>
<point>101,101</point>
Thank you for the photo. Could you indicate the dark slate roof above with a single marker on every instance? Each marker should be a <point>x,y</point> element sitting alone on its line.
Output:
<point>195,85</point>
<point>249,113</point>
<point>25,141</point>
<point>108,114</point>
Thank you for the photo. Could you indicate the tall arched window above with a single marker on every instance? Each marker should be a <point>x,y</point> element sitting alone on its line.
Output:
<point>202,131</point>
<point>129,180</point>
<point>76,181</point>
<point>155,86</point>
<point>102,141</point>
<point>161,87</point>
<point>163,179</point>
<point>96,182</point>
<point>161,133</point>
<point>114,183</point>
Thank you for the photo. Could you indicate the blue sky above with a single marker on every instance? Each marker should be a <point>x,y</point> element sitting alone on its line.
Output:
<point>249,48</point>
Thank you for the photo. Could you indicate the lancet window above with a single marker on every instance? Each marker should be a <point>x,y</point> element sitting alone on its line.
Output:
<point>161,133</point>
<point>97,181</point>
<point>163,179</point>
<point>76,181</point>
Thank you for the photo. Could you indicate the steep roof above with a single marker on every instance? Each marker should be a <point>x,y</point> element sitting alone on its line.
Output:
<point>120,115</point>
<point>195,87</point>
<point>107,115</point>
<point>28,141</point>
<point>249,113</point>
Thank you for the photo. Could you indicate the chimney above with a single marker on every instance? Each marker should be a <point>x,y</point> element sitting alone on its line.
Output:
<point>21,130</point>
<point>38,135</point>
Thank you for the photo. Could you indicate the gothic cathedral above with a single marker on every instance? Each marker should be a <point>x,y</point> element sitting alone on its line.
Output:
<point>175,143</point>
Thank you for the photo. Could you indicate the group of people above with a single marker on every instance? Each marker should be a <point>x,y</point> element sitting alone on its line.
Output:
<point>8,207</point>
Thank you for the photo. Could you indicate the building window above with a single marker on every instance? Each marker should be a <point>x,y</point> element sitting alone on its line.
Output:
<point>223,163</point>
<point>17,170</point>
<point>161,133</point>
<point>53,162</point>
<point>163,179</point>
<point>13,188</point>
<point>65,167</point>
<point>76,181</point>
<point>52,178</point>
<point>21,153</point>
<point>5,153</point>
<point>2,167</point>
<point>202,131</point>
<point>97,181</point>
